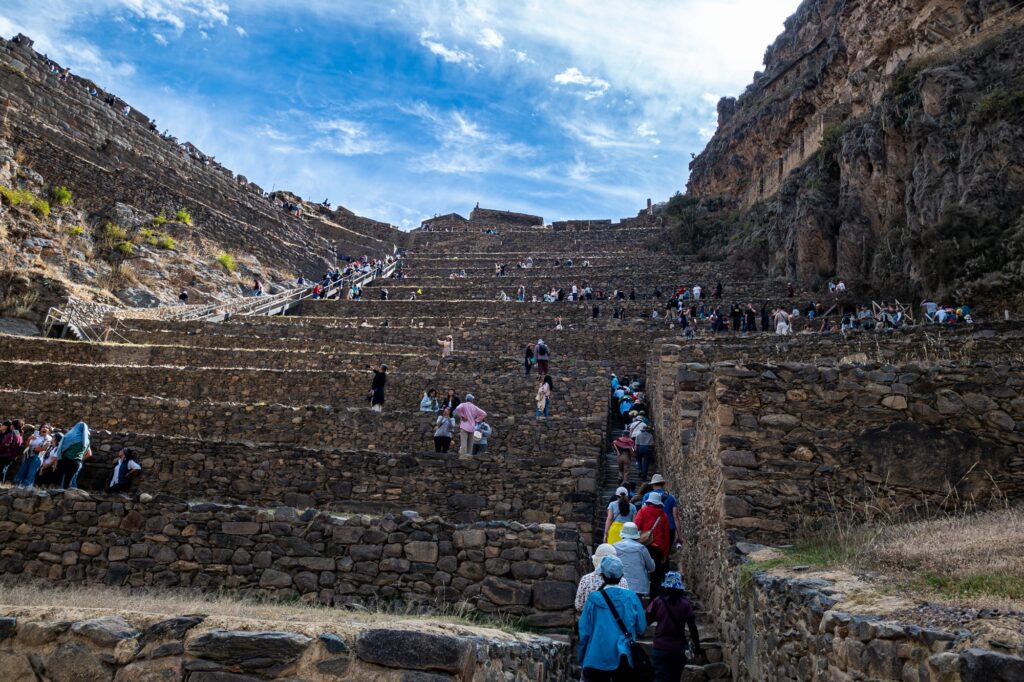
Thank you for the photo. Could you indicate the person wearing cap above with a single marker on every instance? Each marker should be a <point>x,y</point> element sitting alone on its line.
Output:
<point>469,416</point>
<point>620,511</point>
<point>669,504</point>
<point>594,581</point>
<point>380,378</point>
<point>615,380</point>
<point>652,517</point>
<point>604,650</point>
<point>673,613</point>
<point>636,559</point>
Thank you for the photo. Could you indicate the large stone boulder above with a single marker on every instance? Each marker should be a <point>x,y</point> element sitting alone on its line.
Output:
<point>414,650</point>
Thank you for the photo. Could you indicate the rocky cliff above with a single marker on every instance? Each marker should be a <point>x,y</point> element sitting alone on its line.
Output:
<point>882,144</point>
<point>116,169</point>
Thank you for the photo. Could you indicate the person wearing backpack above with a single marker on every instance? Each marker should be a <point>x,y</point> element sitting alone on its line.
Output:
<point>654,534</point>
<point>673,614</point>
<point>542,354</point>
<point>612,620</point>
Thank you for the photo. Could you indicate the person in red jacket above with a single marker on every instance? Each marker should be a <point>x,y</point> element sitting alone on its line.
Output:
<point>651,517</point>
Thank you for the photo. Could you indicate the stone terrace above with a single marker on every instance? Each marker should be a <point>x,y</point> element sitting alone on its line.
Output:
<point>271,477</point>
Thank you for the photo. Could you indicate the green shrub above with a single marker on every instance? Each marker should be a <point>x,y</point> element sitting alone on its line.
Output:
<point>160,218</point>
<point>166,241</point>
<point>61,195</point>
<point>16,197</point>
<point>183,216</point>
<point>227,261</point>
<point>111,235</point>
<point>76,230</point>
<point>999,105</point>
<point>146,234</point>
<point>41,207</point>
<point>125,248</point>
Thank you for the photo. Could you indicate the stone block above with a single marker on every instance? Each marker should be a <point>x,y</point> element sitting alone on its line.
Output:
<point>414,650</point>
<point>426,552</point>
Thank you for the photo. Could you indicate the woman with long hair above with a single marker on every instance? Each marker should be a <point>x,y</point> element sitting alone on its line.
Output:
<point>544,396</point>
<point>620,512</point>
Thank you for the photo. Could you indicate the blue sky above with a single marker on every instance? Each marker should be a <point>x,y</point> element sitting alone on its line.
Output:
<point>400,110</point>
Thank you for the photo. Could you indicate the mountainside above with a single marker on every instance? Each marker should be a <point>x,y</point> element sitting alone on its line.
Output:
<point>138,215</point>
<point>883,144</point>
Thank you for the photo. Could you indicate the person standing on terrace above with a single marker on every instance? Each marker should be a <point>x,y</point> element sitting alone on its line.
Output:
<point>469,416</point>
<point>544,396</point>
<point>447,346</point>
<point>543,355</point>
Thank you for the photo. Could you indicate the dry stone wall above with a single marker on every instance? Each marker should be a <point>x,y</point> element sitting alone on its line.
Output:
<point>134,647</point>
<point>523,571</point>
<point>574,398</point>
<point>459,488</point>
<point>310,426</point>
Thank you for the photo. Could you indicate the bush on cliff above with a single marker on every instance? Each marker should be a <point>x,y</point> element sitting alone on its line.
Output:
<point>160,218</point>
<point>41,207</point>
<point>227,261</point>
<point>183,216</point>
<point>61,195</point>
<point>15,197</point>
<point>1002,104</point>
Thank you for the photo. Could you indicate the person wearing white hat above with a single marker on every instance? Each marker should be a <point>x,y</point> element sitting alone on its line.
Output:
<point>669,504</point>
<point>651,518</point>
<point>636,560</point>
<point>594,581</point>
<point>620,511</point>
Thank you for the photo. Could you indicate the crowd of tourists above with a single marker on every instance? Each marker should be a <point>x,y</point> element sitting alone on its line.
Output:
<point>43,457</point>
<point>341,280</point>
<point>631,584</point>
<point>455,415</point>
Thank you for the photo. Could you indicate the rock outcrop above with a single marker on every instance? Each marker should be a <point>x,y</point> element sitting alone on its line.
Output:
<point>882,144</point>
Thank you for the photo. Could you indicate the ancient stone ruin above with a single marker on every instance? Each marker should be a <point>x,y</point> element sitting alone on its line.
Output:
<point>281,528</point>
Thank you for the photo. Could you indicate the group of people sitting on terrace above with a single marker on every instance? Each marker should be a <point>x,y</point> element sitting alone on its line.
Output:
<point>527,263</point>
<point>44,457</point>
<point>631,583</point>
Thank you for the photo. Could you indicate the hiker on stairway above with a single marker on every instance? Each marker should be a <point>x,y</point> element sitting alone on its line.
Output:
<point>636,559</point>
<point>673,613</point>
<point>668,503</point>
<point>620,512</point>
<point>528,358</point>
<point>625,449</point>
<point>611,622</point>
<point>469,416</point>
<point>654,524</point>
<point>594,581</point>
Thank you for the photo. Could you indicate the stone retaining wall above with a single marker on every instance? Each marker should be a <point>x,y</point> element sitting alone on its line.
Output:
<point>523,571</point>
<point>500,395</point>
<point>134,647</point>
<point>779,628</point>
<point>538,487</point>
<point>309,426</point>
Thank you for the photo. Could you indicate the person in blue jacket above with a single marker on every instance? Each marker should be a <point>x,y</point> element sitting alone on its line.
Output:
<point>603,651</point>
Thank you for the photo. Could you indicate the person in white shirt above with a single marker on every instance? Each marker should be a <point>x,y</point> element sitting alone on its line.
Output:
<point>125,469</point>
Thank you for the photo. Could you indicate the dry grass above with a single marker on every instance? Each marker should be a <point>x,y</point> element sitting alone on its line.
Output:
<point>974,559</point>
<point>154,602</point>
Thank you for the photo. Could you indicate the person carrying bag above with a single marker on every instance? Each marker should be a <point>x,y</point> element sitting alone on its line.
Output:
<point>612,621</point>
<point>673,614</point>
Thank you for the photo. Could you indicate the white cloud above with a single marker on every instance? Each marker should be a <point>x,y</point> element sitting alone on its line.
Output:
<point>521,56</point>
<point>491,39</point>
<point>464,146</point>
<point>179,13</point>
<point>241,31</point>
<point>448,54</point>
<point>159,37</point>
<point>593,87</point>
<point>348,138</point>
<point>645,130</point>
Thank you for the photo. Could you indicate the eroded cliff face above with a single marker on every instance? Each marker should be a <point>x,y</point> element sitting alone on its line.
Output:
<point>884,144</point>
